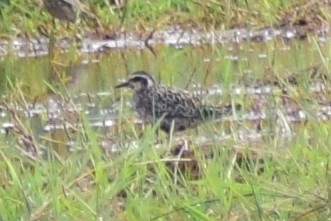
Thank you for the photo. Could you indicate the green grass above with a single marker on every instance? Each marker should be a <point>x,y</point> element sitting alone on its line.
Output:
<point>29,18</point>
<point>90,183</point>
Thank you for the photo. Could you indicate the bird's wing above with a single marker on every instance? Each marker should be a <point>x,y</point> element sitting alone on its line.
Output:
<point>177,103</point>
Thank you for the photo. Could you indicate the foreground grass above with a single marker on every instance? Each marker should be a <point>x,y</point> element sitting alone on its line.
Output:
<point>29,19</point>
<point>136,185</point>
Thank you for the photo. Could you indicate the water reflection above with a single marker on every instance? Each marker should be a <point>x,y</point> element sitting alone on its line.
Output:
<point>64,90</point>
<point>173,36</point>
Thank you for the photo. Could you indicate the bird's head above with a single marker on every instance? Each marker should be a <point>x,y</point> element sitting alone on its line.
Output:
<point>137,81</point>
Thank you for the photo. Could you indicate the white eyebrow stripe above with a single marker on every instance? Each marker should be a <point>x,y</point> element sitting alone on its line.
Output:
<point>150,80</point>
<point>139,75</point>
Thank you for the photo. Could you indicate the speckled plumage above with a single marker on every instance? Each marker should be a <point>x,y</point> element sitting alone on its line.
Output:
<point>155,102</point>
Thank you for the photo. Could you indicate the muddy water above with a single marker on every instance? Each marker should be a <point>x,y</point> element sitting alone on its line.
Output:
<point>281,84</point>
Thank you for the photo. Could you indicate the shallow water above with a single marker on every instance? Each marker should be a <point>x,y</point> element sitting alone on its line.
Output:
<point>281,84</point>
<point>173,36</point>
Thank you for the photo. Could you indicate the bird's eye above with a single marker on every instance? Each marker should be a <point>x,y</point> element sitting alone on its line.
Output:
<point>134,79</point>
<point>143,81</point>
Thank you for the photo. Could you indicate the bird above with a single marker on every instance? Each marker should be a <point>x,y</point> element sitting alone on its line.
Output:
<point>171,107</point>
<point>67,10</point>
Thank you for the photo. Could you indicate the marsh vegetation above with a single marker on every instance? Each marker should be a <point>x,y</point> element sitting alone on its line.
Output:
<point>72,148</point>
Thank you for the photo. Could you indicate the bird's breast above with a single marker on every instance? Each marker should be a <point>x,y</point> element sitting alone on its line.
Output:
<point>142,104</point>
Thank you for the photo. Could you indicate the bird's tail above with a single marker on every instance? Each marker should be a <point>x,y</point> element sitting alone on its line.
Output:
<point>219,111</point>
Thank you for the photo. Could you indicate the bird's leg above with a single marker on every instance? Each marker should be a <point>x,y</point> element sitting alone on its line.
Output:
<point>67,25</point>
<point>141,133</point>
<point>157,133</point>
<point>52,41</point>
<point>53,23</point>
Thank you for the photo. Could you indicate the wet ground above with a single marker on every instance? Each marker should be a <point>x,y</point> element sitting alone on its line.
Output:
<point>280,83</point>
<point>173,36</point>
